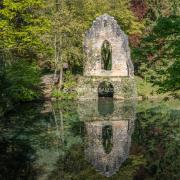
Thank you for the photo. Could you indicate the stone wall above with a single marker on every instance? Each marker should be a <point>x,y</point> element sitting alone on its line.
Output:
<point>124,87</point>
<point>121,75</point>
<point>104,28</point>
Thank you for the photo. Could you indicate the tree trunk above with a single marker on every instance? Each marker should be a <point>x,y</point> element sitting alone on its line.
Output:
<point>60,77</point>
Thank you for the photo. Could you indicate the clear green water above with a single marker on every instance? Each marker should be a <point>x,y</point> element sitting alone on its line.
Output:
<point>91,141</point>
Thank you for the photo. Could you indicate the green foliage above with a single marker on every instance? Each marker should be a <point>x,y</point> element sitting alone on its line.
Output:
<point>26,31</point>
<point>157,58</point>
<point>68,90</point>
<point>120,9</point>
<point>22,81</point>
<point>22,25</point>
<point>146,89</point>
<point>162,8</point>
<point>4,103</point>
<point>75,17</point>
<point>70,82</point>
<point>63,95</point>
<point>172,81</point>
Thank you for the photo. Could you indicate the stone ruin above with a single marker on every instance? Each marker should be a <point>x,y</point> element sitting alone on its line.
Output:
<point>107,59</point>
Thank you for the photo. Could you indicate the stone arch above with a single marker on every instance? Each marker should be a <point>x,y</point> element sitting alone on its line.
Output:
<point>106,55</point>
<point>105,89</point>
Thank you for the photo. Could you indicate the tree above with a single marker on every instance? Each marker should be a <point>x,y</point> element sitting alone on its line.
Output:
<point>66,37</point>
<point>71,19</point>
<point>157,58</point>
<point>161,8</point>
<point>23,24</point>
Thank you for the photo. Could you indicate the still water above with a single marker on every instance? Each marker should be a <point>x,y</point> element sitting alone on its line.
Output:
<point>94,140</point>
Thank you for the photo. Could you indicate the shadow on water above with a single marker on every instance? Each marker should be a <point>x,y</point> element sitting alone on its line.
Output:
<point>105,106</point>
<point>90,140</point>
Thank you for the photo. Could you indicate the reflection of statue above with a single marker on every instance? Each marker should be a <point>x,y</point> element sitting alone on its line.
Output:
<point>108,137</point>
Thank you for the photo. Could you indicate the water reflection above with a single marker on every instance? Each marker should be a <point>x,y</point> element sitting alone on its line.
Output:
<point>90,140</point>
<point>105,106</point>
<point>109,126</point>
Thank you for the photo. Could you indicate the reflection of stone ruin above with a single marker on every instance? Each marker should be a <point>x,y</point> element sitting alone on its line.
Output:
<point>121,123</point>
<point>107,60</point>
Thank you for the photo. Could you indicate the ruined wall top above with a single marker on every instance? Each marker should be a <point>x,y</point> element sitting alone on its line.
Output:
<point>105,28</point>
<point>104,23</point>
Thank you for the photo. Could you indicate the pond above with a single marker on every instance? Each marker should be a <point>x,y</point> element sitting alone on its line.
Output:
<point>93,140</point>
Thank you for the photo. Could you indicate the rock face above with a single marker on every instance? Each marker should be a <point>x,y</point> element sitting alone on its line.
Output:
<point>105,30</point>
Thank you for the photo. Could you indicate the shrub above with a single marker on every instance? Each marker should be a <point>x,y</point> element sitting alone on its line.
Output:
<point>22,80</point>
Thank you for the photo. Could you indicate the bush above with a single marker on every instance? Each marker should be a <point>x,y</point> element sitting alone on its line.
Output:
<point>22,81</point>
<point>68,90</point>
<point>145,89</point>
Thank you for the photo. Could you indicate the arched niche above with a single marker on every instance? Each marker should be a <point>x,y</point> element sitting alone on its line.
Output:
<point>106,56</point>
<point>105,89</point>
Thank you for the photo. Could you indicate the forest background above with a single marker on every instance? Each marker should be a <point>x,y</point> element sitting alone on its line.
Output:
<point>39,37</point>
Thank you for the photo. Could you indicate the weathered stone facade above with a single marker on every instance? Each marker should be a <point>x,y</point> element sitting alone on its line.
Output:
<point>121,74</point>
<point>124,87</point>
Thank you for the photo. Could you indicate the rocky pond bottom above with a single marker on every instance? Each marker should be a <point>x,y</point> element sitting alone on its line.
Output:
<point>91,140</point>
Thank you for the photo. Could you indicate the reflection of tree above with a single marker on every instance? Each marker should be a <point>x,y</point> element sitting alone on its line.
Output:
<point>17,152</point>
<point>33,145</point>
<point>145,156</point>
<point>33,141</point>
<point>73,165</point>
<point>67,124</point>
<point>65,133</point>
<point>17,160</point>
<point>157,131</point>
